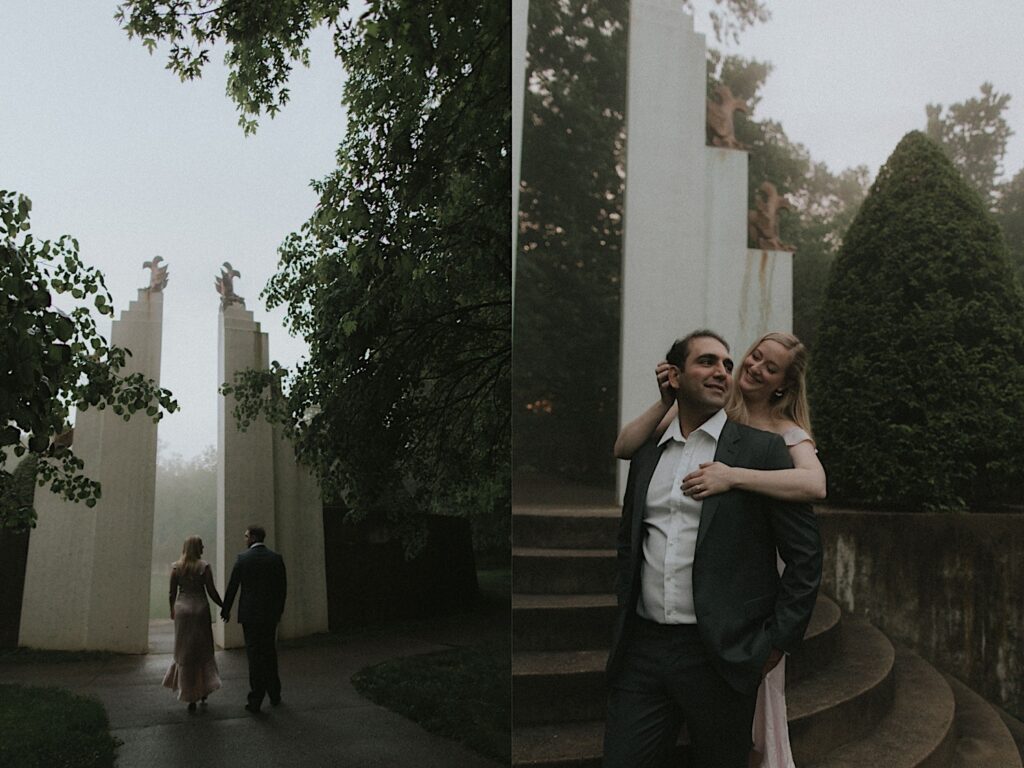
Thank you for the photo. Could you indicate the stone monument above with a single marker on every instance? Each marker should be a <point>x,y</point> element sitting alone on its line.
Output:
<point>686,264</point>
<point>87,575</point>
<point>260,482</point>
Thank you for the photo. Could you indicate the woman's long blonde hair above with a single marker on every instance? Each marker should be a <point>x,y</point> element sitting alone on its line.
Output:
<point>190,552</point>
<point>792,404</point>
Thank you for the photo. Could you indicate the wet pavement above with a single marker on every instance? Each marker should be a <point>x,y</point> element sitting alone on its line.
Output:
<point>322,720</point>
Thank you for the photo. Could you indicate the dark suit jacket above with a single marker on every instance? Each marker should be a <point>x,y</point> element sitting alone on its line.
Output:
<point>260,573</point>
<point>743,607</point>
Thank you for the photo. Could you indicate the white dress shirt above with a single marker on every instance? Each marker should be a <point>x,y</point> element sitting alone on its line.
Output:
<point>670,524</point>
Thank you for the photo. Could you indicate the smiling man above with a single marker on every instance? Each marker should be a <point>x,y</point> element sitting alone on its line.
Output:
<point>703,611</point>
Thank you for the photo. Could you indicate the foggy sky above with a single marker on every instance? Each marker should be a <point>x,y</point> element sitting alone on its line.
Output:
<point>852,77</point>
<point>115,150</point>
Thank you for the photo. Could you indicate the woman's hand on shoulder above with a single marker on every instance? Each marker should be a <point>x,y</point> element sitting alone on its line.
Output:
<point>710,478</point>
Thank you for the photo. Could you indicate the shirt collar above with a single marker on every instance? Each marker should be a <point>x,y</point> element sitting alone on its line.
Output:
<point>712,428</point>
<point>257,544</point>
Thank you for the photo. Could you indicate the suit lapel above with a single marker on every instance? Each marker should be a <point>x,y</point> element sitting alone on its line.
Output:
<point>649,462</point>
<point>728,445</point>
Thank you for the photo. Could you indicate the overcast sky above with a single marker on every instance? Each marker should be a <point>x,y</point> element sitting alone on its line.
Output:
<point>851,77</point>
<point>115,150</point>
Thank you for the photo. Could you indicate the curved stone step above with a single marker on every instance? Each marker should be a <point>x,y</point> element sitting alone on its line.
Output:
<point>565,527</point>
<point>821,642</point>
<point>584,622</point>
<point>566,745</point>
<point>844,699</point>
<point>983,740</point>
<point>562,622</point>
<point>558,687</point>
<point>563,571</point>
<point>917,730</point>
<point>835,704</point>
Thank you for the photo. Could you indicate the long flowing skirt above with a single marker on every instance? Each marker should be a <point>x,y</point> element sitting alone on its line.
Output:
<point>193,673</point>
<point>771,732</point>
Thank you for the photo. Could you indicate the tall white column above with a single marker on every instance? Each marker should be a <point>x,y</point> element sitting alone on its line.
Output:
<point>245,460</point>
<point>685,261</point>
<point>663,265</point>
<point>520,27</point>
<point>260,482</point>
<point>87,576</point>
<point>299,522</point>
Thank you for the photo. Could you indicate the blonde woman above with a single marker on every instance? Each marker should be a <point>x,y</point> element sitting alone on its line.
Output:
<point>193,673</point>
<point>769,393</point>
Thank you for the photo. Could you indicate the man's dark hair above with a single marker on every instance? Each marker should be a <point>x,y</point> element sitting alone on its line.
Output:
<point>256,533</point>
<point>677,354</point>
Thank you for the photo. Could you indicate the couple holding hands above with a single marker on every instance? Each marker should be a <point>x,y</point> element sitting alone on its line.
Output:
<point>259,572</point>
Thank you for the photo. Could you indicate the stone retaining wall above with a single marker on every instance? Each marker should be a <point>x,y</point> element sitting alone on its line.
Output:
<point>948,585</point>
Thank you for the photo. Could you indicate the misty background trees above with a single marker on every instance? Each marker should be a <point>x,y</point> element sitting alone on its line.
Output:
<point>185,505</point>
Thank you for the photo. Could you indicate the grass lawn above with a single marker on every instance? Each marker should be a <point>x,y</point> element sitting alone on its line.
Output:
<point>52,728</point>
<point>463,694</point>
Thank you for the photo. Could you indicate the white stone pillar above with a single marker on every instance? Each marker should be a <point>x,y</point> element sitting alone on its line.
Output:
<point>245,460</point>
<point>87,576</point>
<point>685,261</point>
<point>299,523</point>
<point>664,272</point>
<point>520,28</point>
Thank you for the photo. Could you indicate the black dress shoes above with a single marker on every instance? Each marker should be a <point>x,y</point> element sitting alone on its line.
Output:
<point>275,702</point>
<point>252,708</point>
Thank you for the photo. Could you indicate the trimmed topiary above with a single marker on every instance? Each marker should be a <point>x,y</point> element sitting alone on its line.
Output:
<point>917,381</point>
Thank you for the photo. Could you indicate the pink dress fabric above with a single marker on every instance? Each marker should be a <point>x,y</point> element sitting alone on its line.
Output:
<point>193,673</point>
<point>771,729</point>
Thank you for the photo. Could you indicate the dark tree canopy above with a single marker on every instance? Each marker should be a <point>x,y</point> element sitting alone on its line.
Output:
<point>264,40</point>
<point>52,361</point>
<point>400,280</point>
<point>917,382</point>
<point>570,243</point>
<point>1010,215</point>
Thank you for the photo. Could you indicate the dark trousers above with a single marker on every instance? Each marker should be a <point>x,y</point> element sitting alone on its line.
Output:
<point>666,680</point>
<point>261,651</point>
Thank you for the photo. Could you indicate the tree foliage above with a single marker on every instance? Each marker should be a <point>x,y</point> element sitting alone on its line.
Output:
<point>570,242</point>
<point>52,361</point>
<point>917,381</point>
<point>264,40</point>
<point>973,134</point>
<point>730,17</point>
<point>400,280</point>
<point>1010,215</point>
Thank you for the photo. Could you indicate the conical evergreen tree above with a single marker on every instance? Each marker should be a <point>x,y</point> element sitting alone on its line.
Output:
<point>917,381</point>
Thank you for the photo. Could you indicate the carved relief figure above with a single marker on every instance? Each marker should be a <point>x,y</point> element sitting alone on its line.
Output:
<point>763,222</point>
<point>157,275</point>
<point>720,118</point>
<point>225,285</point>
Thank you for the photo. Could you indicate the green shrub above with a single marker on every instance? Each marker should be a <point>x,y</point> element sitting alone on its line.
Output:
<point>463,694</point>
<point>52,728</point>
<point>917,381</point>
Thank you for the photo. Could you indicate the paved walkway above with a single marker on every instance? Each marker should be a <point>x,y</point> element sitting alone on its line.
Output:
<point>322,720</point>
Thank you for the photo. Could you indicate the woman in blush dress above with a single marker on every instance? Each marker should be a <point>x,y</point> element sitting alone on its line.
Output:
<point>193,673</point>
<point>769,393</point>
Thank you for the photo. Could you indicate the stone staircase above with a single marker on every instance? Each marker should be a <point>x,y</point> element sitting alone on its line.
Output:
<point>855,700</point>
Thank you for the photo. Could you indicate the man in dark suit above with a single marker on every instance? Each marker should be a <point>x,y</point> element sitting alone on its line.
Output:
<point>260,573</point>
<point>703,612</point>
